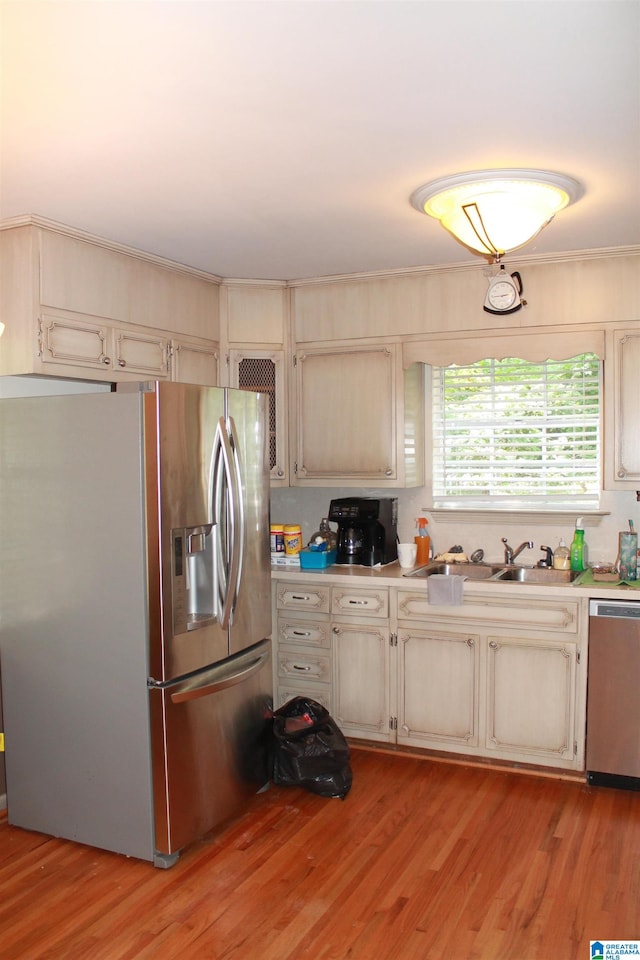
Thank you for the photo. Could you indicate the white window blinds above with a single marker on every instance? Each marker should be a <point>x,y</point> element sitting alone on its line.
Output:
<point>515,432</point>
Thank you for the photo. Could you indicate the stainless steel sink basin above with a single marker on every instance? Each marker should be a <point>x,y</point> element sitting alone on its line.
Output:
<point>536,575</point>
<point>497,573</point>
<point>473,571</point>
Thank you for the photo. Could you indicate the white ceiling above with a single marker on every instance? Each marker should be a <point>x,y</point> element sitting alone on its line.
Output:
<point>282,140</point>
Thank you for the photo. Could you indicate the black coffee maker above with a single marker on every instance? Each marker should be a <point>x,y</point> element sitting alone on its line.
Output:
<point>367,529</point>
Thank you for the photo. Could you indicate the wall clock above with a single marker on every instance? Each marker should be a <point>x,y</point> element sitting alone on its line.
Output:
<point>504,293</point>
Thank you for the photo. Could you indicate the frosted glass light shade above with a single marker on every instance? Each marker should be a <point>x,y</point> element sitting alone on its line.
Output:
<point>493,211</point>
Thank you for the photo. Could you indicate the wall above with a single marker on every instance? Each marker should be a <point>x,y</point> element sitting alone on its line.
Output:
<point>578,293</point>
<point>309,505</point>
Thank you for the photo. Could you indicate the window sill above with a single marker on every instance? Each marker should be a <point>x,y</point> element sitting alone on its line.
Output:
<point>547,517</point>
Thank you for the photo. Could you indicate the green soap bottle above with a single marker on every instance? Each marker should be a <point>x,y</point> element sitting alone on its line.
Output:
<point>578,549</point>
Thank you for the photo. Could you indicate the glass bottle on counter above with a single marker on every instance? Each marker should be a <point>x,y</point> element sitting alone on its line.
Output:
<point>324,534</point>
<point>562,556</point>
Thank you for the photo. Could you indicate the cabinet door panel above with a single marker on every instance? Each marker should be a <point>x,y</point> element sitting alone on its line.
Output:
<point>139,353</point>
<point>622,402</point>
<point>361,680</point>
<point>530,698</point>
<point>76,343</point>
<point>346,425</point>
<point>194,363</point>
<point>438,689</point>
<point>263,371</point>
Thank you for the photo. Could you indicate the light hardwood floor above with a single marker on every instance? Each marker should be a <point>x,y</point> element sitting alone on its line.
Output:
<point>424,859</point>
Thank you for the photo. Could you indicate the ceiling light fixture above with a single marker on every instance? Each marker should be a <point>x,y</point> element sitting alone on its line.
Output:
<point>493,211</point>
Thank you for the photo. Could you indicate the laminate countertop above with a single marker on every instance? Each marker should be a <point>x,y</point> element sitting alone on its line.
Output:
<point>393,575</point>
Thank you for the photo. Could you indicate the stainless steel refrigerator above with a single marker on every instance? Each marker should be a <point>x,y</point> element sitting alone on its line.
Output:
<point>134,612</point>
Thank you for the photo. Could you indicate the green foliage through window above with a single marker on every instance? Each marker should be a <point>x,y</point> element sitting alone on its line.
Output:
<point>510,430</point>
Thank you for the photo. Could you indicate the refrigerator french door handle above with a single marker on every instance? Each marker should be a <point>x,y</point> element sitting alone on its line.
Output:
<point>229,567</point>
<point>219,679</point>
<point>238,518</point>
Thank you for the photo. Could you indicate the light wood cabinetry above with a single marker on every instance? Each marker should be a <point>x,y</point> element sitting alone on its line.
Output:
<point>439,679</point>
<point>531,698</point>
<point>254,321</point>
<point>332,644</point>
<point>264,371</point>
<point>622,408</point>
<point>361,644</point>
<point>302,656</point>
<point>360,418</point>
<point>501,678</point>
<point>80,307</point>
<point>194,360</point>
<point>67,341</point>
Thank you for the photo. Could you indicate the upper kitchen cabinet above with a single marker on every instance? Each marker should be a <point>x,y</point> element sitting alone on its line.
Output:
<point>78,306</point>
<point>360,417</point>
<point>254,321</point>
<point>622,406</point>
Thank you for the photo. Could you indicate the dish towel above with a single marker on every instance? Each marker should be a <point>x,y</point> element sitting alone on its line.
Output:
<point>445,590</point>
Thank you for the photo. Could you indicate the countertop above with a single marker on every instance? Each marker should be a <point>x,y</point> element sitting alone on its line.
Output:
<point>393,575</point>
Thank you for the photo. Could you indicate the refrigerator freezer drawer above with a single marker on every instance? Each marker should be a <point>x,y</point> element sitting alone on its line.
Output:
<point>214,728</point>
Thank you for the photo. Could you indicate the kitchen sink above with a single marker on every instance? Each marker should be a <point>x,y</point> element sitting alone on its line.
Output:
<point>497,573</point>
<point>536,575</point>
<point>473,571</point>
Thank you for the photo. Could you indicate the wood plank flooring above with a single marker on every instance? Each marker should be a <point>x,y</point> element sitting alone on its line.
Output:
<point>424,859</point>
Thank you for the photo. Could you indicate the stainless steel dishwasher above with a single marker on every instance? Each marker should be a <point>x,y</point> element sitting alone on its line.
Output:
<point>613,704</point>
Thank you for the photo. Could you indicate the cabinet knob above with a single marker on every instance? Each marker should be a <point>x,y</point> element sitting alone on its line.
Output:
<point>121,363</point>
<point>106,360</point>
<point>280,473</point>
<point>470,641</point>
<point>336,629</point>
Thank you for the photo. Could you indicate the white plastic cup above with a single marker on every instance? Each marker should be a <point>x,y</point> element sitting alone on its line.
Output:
<point>407,553</point>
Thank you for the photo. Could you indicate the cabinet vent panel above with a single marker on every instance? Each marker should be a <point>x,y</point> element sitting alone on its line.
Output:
<point>259,375</point>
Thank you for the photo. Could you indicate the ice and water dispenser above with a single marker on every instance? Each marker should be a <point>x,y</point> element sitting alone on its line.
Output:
<point>194,602</point>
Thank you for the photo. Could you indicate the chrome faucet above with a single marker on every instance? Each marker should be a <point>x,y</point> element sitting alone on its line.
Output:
<point>510,554</point>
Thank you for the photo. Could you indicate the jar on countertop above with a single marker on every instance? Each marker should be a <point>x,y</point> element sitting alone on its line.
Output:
<point>292,539</point>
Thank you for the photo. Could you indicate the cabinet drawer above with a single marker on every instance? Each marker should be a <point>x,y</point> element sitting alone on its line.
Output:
<point>364,603</point>
<point>299,663</point>
<point>313,691</point>
<point>310,632</point>
<point>296,596</point>
<point>560,614</point>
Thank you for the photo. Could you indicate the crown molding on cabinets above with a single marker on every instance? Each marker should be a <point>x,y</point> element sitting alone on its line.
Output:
<point>75,233</point>
<point>596,254</point>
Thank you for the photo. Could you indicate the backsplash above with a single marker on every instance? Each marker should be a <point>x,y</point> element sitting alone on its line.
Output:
<point>307,506</point>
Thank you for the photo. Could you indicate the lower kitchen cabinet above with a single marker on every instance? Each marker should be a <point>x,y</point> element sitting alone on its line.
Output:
<point>502,677</point>
<point>361,678</point>
<point>302,656</point>
<point>333,645</point>
<point>438,692</point>
<point>531,698</point>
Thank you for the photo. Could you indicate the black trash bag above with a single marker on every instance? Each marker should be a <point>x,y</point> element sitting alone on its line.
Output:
<point>310,750</point>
